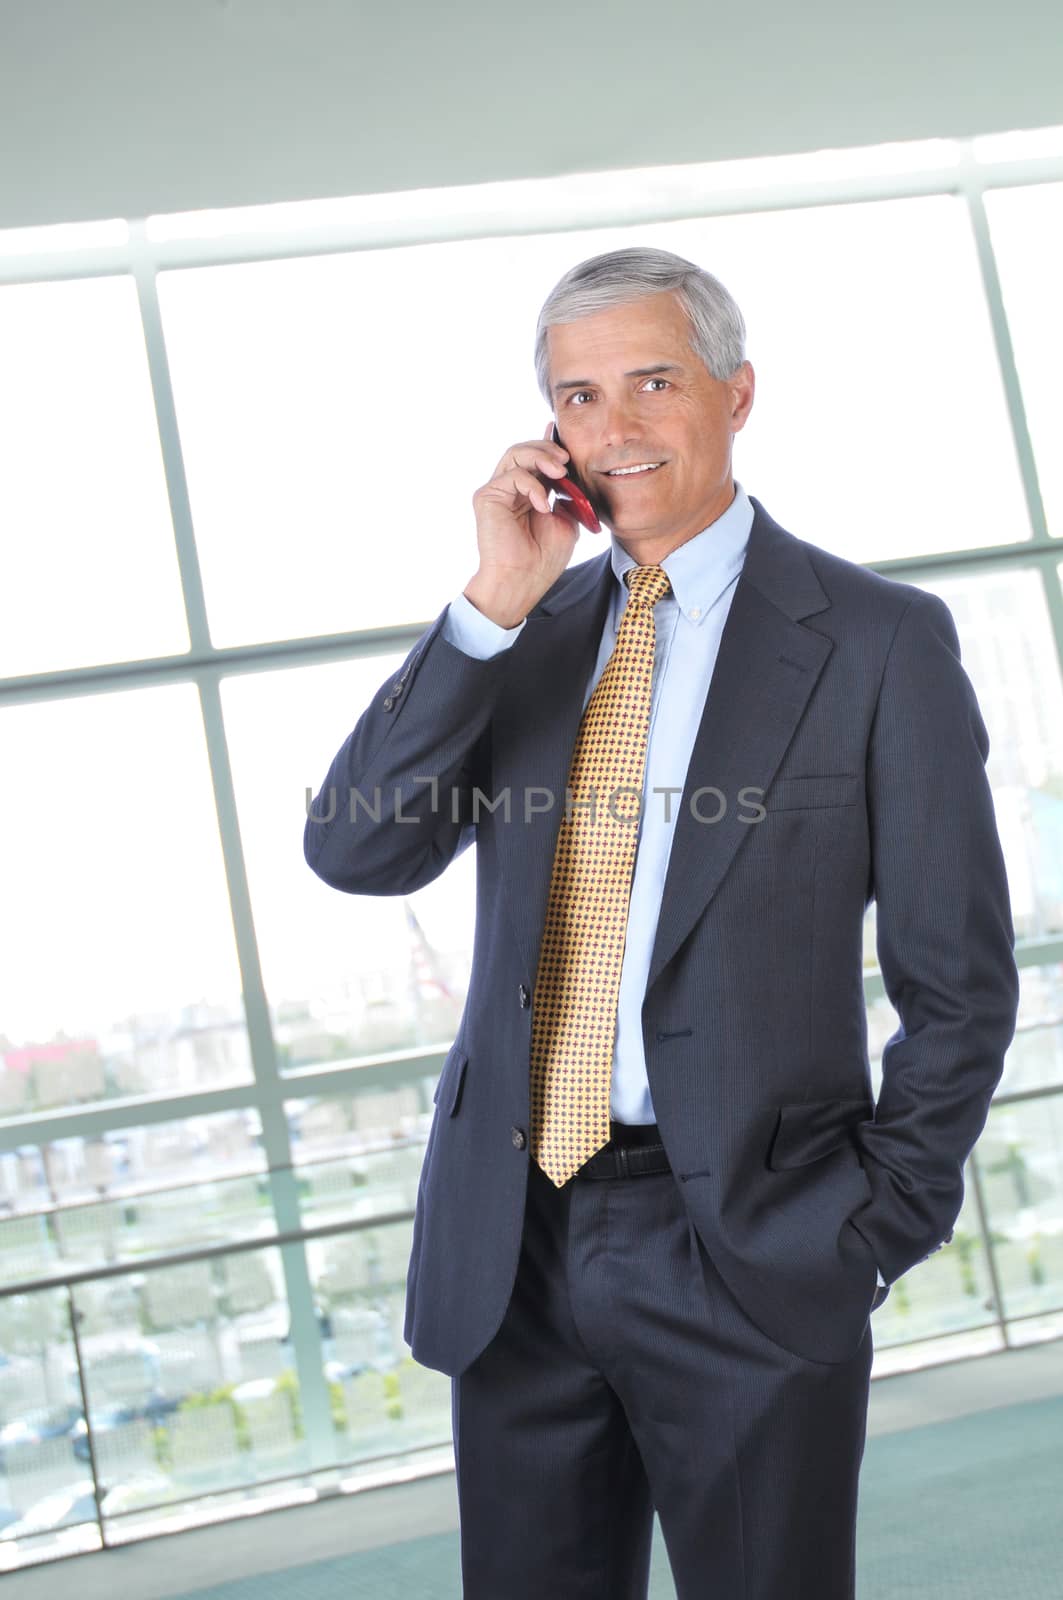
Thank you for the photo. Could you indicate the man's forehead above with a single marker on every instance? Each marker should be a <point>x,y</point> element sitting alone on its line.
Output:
<point>638,339</point>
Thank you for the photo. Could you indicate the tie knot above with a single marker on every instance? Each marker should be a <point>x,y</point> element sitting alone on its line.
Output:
<point>647,585</point>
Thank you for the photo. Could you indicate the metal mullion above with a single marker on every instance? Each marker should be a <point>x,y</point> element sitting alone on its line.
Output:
<point>104,1116</point>
<point>526,216</point>
<point>1021,1097</point>
<point>197,1254</point>
<point>985,1228</point>
<point>973,189</point>
<point>133,1197</point>
<point>308,650</point>
<point>74,1317</point>
<point>142,266</point>
<point>260,1032</point>
<point>305,1082</point>
<point>978,558</point>
<point>86,1122</point>
<point>65,266</point>
<point>314,650</point>
<point>269,1095</point>
<point>556,215</point>
<point>1039,952</point>
<point>1053,593</point>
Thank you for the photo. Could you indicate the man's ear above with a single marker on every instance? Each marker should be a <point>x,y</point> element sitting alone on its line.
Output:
<point>742,396</point>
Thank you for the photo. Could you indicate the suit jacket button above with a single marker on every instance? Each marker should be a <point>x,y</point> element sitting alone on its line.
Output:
<point>517,1135</point>
<point>525,998</point>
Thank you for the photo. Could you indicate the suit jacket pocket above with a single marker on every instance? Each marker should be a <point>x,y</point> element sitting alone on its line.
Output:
<point>827,789</point>
<point>448,1089</point>
<point>813,1128</point>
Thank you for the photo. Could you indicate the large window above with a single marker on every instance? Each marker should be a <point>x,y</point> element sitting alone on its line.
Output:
<point>239,458</point>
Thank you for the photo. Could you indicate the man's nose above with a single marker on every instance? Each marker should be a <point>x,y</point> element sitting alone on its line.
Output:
<point>620,428</point>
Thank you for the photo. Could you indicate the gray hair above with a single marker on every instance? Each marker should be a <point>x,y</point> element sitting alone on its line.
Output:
<point>717,329</point>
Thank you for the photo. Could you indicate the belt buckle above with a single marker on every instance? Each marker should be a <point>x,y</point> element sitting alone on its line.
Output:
<point>623,1170</point>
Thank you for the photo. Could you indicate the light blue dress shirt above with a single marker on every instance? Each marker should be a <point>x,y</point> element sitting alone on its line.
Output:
<point>689,623</point>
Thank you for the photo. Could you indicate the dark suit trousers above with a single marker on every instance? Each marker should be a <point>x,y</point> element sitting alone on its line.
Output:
<point>626,1378</point>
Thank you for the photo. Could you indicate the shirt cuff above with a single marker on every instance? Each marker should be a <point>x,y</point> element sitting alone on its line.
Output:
<point>470,631</point>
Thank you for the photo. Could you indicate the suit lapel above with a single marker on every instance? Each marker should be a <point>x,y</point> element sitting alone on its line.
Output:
<point>766,670</point>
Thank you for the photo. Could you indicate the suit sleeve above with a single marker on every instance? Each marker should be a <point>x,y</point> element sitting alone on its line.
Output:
<point>945,939</point>
<point>397,803</point>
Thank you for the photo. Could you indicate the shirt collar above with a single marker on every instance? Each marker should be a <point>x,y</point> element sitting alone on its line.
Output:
<point>702,568</point>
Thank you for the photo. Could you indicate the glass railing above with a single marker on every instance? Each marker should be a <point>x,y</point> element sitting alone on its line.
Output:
<point>132,1223</point>
<point>169,1356</point>
<point>165,1390</point>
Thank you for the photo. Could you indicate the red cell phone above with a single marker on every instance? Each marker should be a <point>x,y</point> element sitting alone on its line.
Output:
<point>566,489</point>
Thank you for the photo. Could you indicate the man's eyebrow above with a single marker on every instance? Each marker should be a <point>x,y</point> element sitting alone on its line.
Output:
<point>636,372</point>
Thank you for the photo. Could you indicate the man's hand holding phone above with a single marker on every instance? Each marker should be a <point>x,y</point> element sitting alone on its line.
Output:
<point>524,545</point>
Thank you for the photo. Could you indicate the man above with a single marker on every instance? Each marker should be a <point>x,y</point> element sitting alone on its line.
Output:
<point>658,1202</point>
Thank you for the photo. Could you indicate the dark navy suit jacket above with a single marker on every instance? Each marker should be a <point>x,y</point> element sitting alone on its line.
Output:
<point>840,695</point>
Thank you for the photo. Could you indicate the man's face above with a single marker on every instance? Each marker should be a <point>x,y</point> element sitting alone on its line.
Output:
<point>611,413</point>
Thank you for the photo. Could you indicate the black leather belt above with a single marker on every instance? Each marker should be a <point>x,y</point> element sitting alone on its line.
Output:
<point>634,1150</point>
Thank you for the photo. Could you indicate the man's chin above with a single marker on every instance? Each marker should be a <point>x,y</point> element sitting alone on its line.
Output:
<point>628,528</point>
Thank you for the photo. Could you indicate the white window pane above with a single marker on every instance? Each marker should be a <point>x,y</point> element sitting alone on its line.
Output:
<point>116,944</point>
<point>338,413</point>
<point>347,975</point>
<point>1027,230</point>
<point>877,380</point>
<point>1009,653</point>
<point>88,568</point>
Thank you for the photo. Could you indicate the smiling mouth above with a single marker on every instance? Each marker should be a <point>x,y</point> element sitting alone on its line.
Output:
<point>622,475</point>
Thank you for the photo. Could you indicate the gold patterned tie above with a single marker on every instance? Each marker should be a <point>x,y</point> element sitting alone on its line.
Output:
<point>582,951</point>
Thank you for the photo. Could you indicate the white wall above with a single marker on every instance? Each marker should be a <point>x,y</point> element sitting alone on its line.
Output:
<point>123,107</point>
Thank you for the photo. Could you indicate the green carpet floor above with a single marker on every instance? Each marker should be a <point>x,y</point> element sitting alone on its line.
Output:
<point>971,1509</point>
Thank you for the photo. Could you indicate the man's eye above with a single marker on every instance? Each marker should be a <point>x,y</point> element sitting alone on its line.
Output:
<point>587,391</point>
